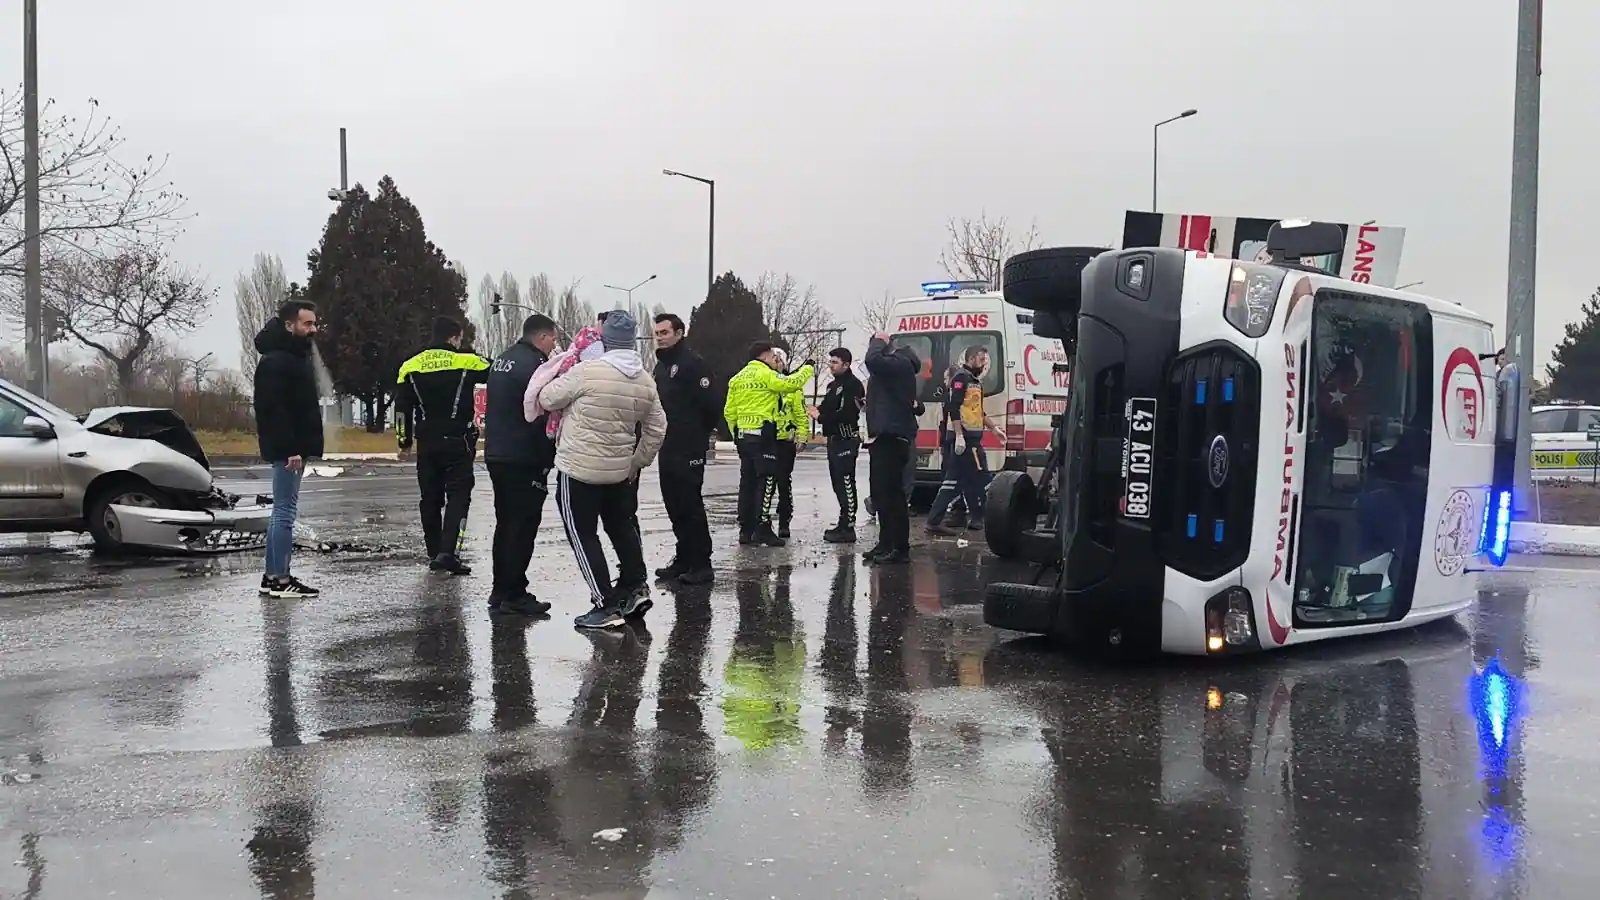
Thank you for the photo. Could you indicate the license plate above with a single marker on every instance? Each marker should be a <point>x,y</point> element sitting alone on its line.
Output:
<point>925,459</point>
<point>1138,457</point>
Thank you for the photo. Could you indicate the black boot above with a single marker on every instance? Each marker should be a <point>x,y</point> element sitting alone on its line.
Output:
<point>783,529</point>
<point>766,536</point>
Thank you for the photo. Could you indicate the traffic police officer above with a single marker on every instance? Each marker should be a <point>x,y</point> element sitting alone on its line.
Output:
<point>434,408</point>
<point>752,414</point>
<point>794,427</point>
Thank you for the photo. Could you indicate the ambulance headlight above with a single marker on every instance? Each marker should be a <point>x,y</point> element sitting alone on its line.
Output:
<point>1230,622</point>
<point>1252,297</point>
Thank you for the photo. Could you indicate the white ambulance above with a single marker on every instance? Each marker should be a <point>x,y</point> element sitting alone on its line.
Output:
<point>1025,385</point>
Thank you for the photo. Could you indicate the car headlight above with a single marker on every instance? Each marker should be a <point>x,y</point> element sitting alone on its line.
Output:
<point>1252,297</point>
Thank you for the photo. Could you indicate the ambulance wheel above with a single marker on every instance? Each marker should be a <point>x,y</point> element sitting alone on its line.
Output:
<point>1008,510</point>
<point>1049,279</point>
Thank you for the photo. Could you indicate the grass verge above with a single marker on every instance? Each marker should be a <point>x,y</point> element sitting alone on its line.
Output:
<point>339,440</point>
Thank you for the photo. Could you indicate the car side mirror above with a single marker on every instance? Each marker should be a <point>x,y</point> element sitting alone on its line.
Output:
<point>37,427</point>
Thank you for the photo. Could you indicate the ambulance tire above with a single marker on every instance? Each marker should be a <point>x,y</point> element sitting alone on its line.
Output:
<point>1048,280</point>
<point>1009,509</point>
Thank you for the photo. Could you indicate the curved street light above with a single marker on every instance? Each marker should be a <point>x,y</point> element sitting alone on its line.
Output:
<point>711,240</point>
<point>629,290</point>
<point>1155,152</point>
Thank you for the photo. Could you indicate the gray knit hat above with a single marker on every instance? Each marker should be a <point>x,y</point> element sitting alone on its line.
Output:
<point>619,330</point>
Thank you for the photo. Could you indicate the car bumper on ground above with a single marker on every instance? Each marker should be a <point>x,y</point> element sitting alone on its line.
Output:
<point>193,531</point>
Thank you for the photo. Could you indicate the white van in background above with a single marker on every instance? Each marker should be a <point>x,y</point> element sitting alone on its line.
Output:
<point>1025,386</point>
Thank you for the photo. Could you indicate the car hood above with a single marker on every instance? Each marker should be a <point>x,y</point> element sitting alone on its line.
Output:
<point>163,426</point>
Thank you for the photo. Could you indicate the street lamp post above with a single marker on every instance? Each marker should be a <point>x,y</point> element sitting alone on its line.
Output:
<point>1155,153</point>
<point>711,237</point>
<point>629,290</point>
<point>37,352</point>
<point>339,193</point>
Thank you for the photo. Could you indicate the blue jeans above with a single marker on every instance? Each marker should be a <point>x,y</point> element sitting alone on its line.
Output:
<point>963,475</point>
<point>285,508</point>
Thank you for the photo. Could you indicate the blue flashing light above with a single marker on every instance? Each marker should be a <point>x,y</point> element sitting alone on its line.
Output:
<point>1194,525</point>
<point>1483,527</point>
<point>1227,390</point>
<point>1500,538</point>
<point>1496,700</point>
<point>932,288</point>
<point>1200,392</point>
<point>1216,532</point>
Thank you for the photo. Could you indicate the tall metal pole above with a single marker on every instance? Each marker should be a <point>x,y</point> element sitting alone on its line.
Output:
<point>1155,153</point>
<point>344,164</point>
<point>711,242</point>
<point>1524,229</point>
<point>38,359</point>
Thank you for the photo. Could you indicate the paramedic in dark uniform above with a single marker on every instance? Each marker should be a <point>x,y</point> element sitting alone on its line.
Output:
<point>434,409</point>
<point>839,415</point>
<point>519,456</point>
<point>692,408</point>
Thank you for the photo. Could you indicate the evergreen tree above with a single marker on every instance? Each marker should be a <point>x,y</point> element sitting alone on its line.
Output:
<point>1575,368</point>
<point>722,328</point>
<point>378,283</point>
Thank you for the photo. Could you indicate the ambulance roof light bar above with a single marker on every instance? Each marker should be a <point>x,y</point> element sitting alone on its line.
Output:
<point>935,288</point>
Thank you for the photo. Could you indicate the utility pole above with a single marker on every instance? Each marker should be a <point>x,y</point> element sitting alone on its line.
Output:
<point>38,358</point>
<point>344,164</point>
<point>1520,268</point>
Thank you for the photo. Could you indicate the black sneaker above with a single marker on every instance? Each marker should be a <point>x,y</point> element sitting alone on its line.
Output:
<point>748,538</point>
<point>841,534</point>
<point>525,605</point>
<point>698,576</point>
<point>292,589</point>
<point>891,558</point>
<point>872,509</point>
<point>767,537</point>
<point>266,586</point>
<point>671,570</point>
<point>633,601</point>
<point>783,530</point>
<point>601,617</point>
<point>449,563</point>
<point>872,555</point>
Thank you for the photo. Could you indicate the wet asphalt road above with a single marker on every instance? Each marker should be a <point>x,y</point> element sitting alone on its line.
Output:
<point>806,728</point>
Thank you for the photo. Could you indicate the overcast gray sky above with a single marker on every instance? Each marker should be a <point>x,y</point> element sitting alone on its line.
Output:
<point>842,135</point>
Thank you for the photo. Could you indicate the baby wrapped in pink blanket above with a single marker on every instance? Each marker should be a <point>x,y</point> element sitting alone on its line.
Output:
<point>585,346</point>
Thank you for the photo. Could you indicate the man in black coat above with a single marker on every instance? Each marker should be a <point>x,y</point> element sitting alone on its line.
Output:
<point>693,410</point>
<point>839,415</point>
<point>891,418</point>
<point>519,456</point>
<point>288,430</point>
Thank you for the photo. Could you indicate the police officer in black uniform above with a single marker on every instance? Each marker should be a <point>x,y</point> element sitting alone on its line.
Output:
<point>839,414</point>
<point>434,409</point>
<point>690,402</point>
<point>519,456</point>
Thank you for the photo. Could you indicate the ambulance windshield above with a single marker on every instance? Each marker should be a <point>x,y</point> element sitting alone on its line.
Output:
<point>1368,422</point>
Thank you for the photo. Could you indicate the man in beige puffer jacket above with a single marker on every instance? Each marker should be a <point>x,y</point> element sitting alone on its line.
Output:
<point>612,425</point>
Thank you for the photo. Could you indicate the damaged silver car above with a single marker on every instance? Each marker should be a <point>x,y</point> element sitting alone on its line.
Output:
<point>134,479</point>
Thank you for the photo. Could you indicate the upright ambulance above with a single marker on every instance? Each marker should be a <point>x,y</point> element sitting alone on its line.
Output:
<point>1025,384</point>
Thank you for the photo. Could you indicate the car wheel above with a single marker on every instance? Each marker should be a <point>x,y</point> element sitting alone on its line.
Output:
<point>102,521</point>
<point>1008,510</point>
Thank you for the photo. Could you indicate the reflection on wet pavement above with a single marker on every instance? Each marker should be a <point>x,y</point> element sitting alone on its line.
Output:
<point>808,727</point>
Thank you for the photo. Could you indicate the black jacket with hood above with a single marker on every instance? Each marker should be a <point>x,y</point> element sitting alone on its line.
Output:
<point>892,392</point>
<point>288,412</point>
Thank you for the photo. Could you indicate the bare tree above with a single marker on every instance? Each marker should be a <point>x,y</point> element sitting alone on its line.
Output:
<point>795,315</point>
<point>572,313</point>
<point>123,305</point>
<point>88,199</point>
<point>978,248</point>
<point>539,296</point>
<point>875,315</point>
<point>257,296</point>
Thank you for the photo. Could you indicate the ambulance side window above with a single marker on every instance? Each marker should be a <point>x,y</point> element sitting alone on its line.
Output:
<point>993,377</point>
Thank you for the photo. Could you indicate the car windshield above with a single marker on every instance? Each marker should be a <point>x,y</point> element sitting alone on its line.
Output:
<point>1367,452</point>
<point>38,403</point>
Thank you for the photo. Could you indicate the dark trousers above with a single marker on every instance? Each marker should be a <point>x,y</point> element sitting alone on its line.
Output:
<point>962,477</point>
<point>887,479</point>
<point>585,509</point>
<point>783,480</point>
<point>445,477</point>
<point>758,469</point>
<point>519,493</point>
<point>842,455</point>
<point>682,482</point>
